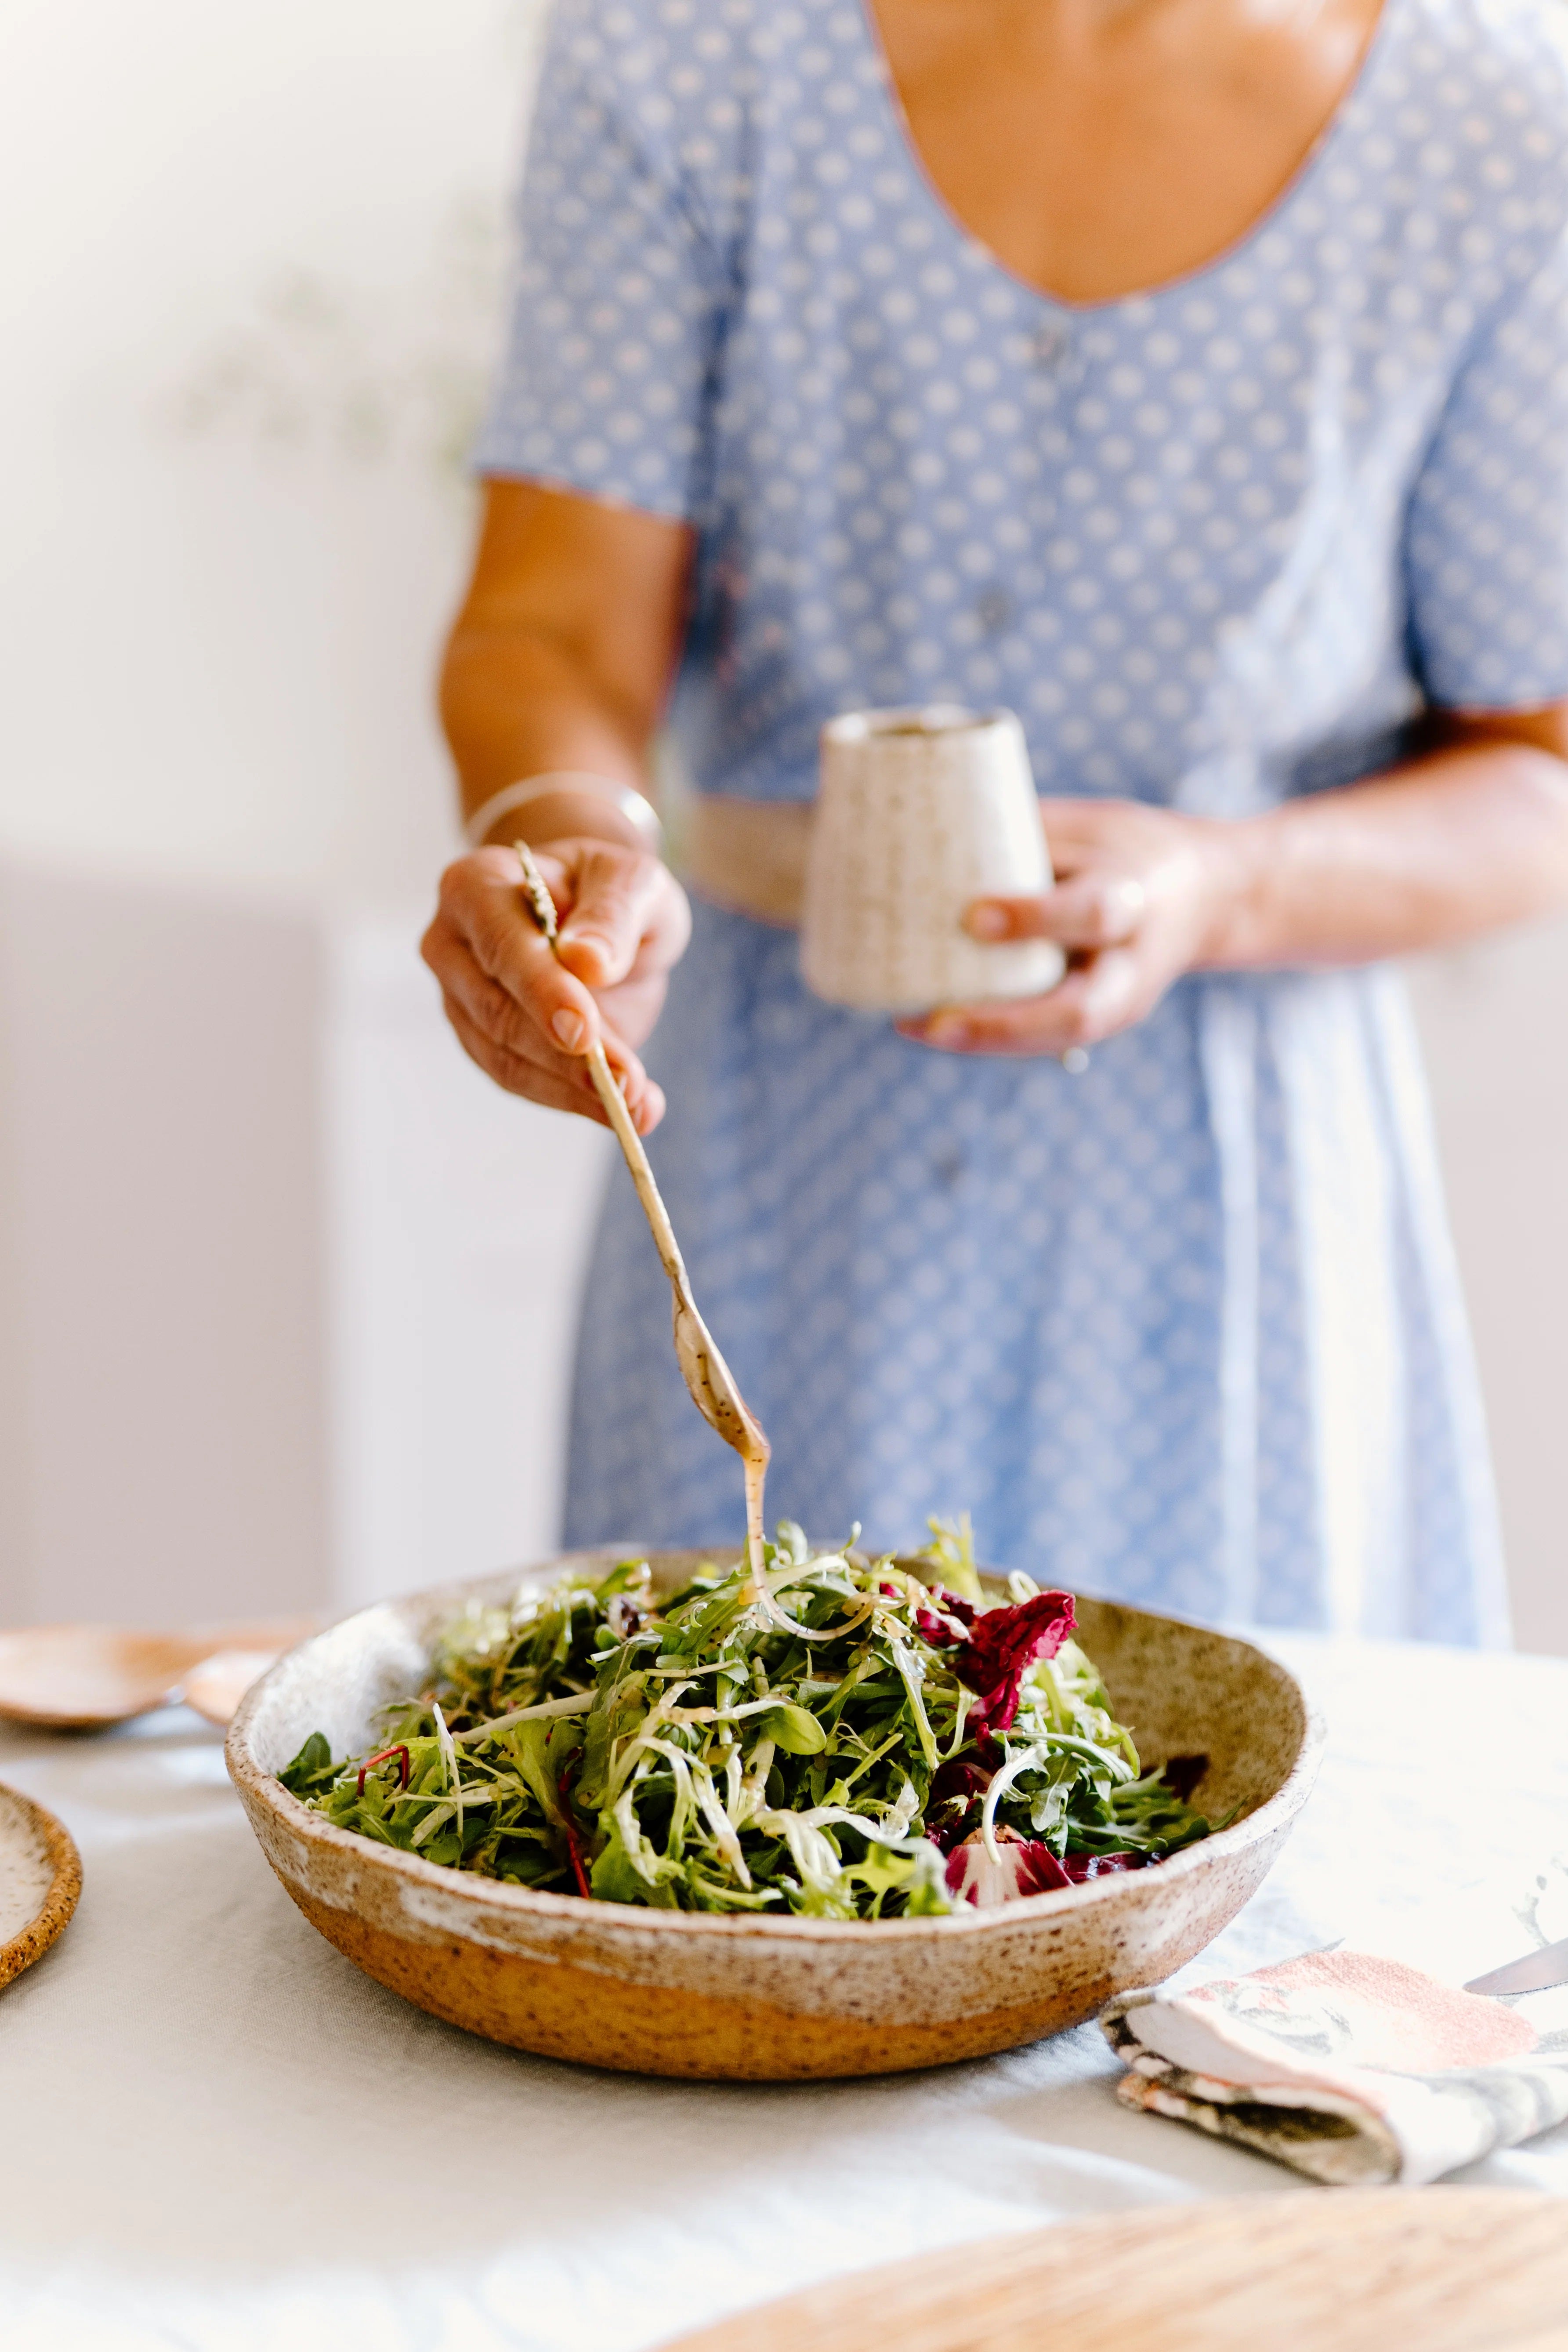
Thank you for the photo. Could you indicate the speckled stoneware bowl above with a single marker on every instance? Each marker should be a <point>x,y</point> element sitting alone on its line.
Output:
<point>742,1997</point>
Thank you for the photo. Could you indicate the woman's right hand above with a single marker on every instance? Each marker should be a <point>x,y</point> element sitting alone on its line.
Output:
<point>526,1014</point>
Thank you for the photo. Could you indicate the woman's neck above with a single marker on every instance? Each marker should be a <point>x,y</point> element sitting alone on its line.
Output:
<point>1099,147</point>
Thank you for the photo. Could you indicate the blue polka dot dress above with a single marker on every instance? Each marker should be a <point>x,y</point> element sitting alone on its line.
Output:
<point>1184,1330</point>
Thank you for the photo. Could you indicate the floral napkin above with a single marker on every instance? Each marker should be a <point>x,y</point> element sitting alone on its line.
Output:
<point>1351,2068</point>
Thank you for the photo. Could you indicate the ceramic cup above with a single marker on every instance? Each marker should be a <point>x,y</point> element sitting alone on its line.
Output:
<point>919,812</point>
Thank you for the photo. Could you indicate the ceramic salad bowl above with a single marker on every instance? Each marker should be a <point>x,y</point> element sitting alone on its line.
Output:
<point>760,1997</point>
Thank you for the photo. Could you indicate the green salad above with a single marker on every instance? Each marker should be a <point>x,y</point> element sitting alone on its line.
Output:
<point>840,1737</point>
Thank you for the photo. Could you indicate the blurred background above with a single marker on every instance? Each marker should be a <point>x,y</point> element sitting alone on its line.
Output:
<point>286,1288</point>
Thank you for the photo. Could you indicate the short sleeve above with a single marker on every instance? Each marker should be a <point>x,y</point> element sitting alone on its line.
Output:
<point>605,384</point>
<point>1487,548</point>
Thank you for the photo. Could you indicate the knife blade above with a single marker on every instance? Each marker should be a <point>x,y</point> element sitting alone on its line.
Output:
<point>1537,1972</point>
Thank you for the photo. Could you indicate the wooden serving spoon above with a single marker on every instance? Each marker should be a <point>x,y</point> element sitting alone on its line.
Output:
<point>703,1369</point>
<point>214,1689</point>
<point>86,1678</point>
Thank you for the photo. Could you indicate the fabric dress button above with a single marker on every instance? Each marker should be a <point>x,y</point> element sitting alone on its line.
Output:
<point>1053,342</point>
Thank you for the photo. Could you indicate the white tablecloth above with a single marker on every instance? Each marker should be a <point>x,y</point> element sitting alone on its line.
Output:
<point>218,2134</point>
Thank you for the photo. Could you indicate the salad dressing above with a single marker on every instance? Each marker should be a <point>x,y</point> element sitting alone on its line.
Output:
<point>755,1466</point>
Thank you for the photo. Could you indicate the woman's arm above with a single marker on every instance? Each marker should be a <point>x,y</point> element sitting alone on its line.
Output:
<point>561,660</point>
<point>1471,833</point>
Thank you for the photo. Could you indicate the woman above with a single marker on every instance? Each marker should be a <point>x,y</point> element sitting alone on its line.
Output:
<point>1190,376</point>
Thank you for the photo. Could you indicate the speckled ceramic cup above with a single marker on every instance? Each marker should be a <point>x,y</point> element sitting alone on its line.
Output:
<point>918,812</point>
<point>745,1997</point>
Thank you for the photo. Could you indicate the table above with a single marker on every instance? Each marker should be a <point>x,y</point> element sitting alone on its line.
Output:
<point>218,2134</point>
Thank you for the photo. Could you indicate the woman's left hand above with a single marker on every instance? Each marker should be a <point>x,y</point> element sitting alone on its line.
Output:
<point>1141,897</point>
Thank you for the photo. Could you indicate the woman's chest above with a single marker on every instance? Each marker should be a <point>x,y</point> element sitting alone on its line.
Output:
<point>876,340</point>
<point>1175,518</point>
<point>884,374</point>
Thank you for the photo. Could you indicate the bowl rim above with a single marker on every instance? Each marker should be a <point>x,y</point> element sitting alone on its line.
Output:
<point>254,1784</point>
<point>56,1906</point>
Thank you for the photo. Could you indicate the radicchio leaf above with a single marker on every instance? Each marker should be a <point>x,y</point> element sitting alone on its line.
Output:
<point>1082,1867</point>
<point>623,1617</point>
<point>947,1621</point>
<point>956,1789</point>
<point>1183,1773</point>
<point>1022,1866</point>
<point>1003,1644</point>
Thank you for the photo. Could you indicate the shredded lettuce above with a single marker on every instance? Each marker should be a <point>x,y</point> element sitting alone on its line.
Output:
<point>836,1745</point>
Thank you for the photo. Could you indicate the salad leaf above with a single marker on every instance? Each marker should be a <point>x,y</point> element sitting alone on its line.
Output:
<point>1003,1644</point>
<point>313,1763</point>
<point>858,1739</point>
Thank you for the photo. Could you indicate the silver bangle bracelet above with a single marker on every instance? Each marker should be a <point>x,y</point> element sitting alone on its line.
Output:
<point>631,805</point>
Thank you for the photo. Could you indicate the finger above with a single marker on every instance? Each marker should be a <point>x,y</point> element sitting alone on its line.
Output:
<point>1091,1003</point>
<point>513,1021</point>
<point>665,931</point>
<point>1093,910</point>
<point>514,1030</point>
<point>617,902</point>
<point>633,1009</point>
<point>521,1075</point>
<point>571,1090</point>
<point>481,905</point>
<point>1074,829</point>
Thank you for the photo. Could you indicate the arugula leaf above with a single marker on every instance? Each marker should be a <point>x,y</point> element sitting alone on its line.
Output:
<point>823,1747</point>
<point>314,1763</point>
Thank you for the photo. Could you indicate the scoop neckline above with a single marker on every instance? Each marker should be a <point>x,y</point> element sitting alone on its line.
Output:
<point>1307,172</point>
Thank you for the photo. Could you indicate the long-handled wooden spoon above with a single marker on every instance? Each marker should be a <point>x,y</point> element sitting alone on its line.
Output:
<point>86,1678</point>
<point>706,1375</point>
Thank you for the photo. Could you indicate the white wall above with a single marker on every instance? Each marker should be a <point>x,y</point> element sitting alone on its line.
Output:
<point>248,292</point>
<point>285,1291</point>
<point>1493,1017</point>
<point>249,288</point>
<point>459,1222</point>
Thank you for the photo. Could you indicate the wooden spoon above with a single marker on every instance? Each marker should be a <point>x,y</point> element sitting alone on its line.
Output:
<point>86,1678</point>
<point>706,1375</point>
<point>214,1688</point>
